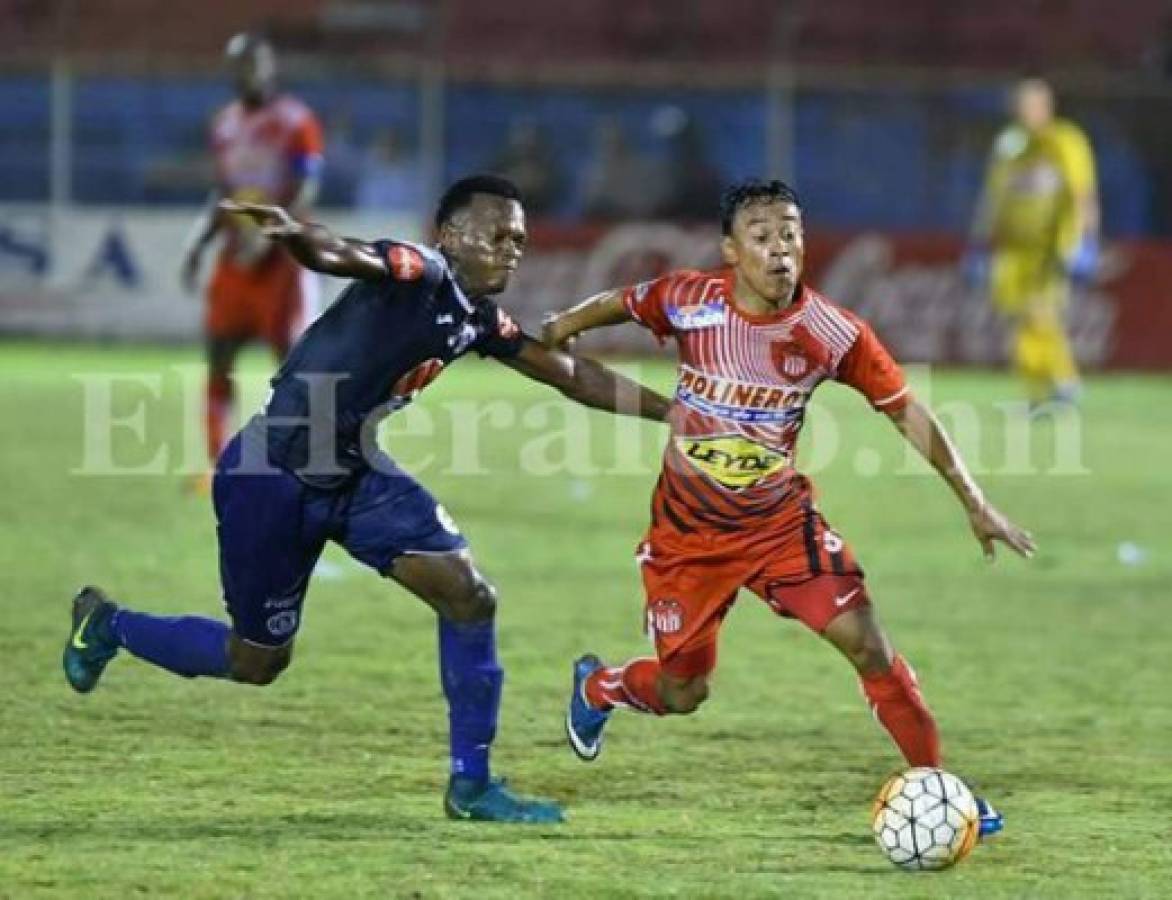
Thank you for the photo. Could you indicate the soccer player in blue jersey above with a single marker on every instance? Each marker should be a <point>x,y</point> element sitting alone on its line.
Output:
<point>307,469</point>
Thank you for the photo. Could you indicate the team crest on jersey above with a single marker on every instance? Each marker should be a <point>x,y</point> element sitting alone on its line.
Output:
<point>790,361</point>
<point>697,315</point>
<point>665,617</point>
<point>732,460</point>
<point>801,355</point>
<point>406,263</point>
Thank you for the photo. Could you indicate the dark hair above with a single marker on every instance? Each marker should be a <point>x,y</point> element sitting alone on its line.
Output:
<point>744,193</point>
<point>459,194</point>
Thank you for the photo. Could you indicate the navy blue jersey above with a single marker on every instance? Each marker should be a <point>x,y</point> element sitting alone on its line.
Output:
<point>370,354</point>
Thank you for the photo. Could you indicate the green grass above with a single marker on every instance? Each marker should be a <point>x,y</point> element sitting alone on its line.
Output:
<point>1049,678</point>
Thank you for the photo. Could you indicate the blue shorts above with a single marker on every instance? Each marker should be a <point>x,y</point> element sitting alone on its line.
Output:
<point>272,528</point>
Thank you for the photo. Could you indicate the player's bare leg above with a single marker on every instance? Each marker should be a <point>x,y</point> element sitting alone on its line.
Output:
<point>256,664</point>
<point>465,603</point>
<point>893,693</point>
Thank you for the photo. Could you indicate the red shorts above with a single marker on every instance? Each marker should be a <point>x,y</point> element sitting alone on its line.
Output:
<point>269,301</point>
<point>797,564</point>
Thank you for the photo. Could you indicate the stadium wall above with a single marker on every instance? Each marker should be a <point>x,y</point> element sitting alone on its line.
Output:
<point>112,273</point>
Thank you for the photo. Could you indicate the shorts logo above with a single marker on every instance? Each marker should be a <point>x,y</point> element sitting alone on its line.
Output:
<point>284,602</point>
<point>666,616</point>
<point>731,460</point>
<point>283,623</point>
<point>406,263</point>
<point>697,315</point>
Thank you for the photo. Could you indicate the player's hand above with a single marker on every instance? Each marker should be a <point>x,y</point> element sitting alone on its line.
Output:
<point>273,221</point>
<point>553,333</point>
<point>989,525</point>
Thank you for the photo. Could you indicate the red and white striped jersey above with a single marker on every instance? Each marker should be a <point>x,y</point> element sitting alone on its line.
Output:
<point>261,156</point>
<point>261,153</point>
<point>744,382</point>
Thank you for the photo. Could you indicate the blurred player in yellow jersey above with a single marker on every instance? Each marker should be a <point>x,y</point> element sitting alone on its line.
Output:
<point>1036,233</point>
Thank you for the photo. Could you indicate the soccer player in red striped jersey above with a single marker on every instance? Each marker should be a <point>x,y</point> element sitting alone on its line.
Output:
<point>730,509</point>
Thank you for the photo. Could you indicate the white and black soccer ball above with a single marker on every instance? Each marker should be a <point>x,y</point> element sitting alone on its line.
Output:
<point>925,819</point>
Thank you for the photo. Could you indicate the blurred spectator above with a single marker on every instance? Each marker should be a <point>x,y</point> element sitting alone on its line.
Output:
<point>690,185</point>
<point>617,183</point>
<point>528,161</point>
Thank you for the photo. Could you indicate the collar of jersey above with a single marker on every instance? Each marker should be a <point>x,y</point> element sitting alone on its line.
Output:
<point>782,315</point>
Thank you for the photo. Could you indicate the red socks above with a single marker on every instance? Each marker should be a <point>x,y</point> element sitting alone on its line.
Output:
<point>894,698</point>
<point>632,685</point>
<point>218,411</point>
<point>898,706</point>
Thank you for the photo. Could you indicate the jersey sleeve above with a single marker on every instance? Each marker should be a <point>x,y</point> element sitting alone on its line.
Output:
<point>409,263</point>
<point>306,147</point>
<point>869,368</point>
<point>647,303</point>
<point>502,336</point>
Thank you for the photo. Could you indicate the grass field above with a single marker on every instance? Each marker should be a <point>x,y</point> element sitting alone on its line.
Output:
<point>1050,679</point>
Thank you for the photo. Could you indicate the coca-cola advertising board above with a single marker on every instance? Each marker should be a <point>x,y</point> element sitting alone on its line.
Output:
<point>909,286</point>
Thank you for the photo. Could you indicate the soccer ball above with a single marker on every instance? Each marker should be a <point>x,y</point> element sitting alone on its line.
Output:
<point>925,819</point>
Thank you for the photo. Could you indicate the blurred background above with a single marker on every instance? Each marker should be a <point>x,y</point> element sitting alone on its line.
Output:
<point>620,119</point>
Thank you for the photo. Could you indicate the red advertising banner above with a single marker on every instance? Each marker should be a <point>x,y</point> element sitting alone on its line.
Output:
<point>908,286</point>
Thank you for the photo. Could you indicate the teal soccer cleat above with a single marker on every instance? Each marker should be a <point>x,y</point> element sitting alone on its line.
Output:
<point>492,801</point>
<point>584,723</point>
<point>992,821</point>
<point>90,645</point>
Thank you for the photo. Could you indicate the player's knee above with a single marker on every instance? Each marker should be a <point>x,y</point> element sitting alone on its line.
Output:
<point>683,697</point>
<point>263,667</point>
<point>871,655</point>
<point>475,603</point>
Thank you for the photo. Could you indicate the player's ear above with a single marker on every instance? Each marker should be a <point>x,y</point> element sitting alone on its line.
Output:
<point>728,250</point>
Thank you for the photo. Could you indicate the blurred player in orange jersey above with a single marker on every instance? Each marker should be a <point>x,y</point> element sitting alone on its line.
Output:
<point>268,149</point>
<point>730,509</point>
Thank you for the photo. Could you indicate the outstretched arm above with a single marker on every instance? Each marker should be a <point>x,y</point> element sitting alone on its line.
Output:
<point>559,329</point>
<point>924,432</point>
<point>314,246</point>
<point>588,382</point>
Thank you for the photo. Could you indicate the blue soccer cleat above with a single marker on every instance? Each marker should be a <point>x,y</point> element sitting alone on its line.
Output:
<point>492,801</point>
<point>584,723</point>
<point>992,821</point>
<point>90,645</point>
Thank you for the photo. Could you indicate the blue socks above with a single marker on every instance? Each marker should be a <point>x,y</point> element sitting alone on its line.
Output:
<point>188,645</point>
<point>472,681</point>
